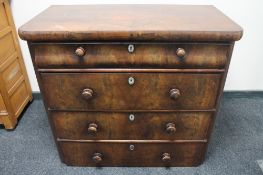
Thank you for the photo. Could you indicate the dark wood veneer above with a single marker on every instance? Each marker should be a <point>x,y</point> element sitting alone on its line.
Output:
<point>131,23</point>
<point>152,126</point>
<point>146,55</point>
<point>143,155</point>
<point>112,91</point>
<point>141,93</point>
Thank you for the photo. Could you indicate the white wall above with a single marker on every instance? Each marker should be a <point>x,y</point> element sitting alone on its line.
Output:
<point>246,69</point>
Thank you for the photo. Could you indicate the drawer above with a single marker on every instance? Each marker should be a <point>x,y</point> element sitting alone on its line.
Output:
<point>143,55</point>
<point>12,74</point>
<point>7,47</point>
<point>19,98</point>
<point>142,155</point>
<point>131,126</point>
<point>130,91</point>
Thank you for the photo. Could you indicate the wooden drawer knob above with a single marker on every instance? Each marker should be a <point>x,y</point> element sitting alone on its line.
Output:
<point>175,93</point>
<point>92,128</point>
<point>166,157</point>
<point>180,52</point>
<point>87,93</point>
<point>80,51</point>
<point>97,157</point>
<point>170,128</point>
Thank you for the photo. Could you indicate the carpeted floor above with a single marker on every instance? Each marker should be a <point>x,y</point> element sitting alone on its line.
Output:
<point>236,147</point>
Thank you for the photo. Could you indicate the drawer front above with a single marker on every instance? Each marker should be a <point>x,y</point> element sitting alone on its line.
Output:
<point>7,47</point>
<point>12,74</point>
<point>120,154</point>
<point>19,98</point>
<point>120,55</point>
<point>130,91</point>
<point>131,126</point>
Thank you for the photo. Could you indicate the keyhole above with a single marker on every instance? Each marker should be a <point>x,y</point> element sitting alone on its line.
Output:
<point>130,48</point>
<point>131,80</point>
<point>131,117</point>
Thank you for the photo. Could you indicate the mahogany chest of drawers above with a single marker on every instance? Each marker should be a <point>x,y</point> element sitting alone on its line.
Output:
<point>131,85</point>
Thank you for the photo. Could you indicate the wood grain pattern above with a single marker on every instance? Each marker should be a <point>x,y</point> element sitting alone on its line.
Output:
<point>19,98</point>
<point>7,47</point>
<point>2,105</point>
<point>112,91</point>
<point>131,22</point>
<point>14,86</point>
<point>11,74</point>
<point>143,155</point>
<point>220,92</point>
<point>164,64</point>
<point>3,16</point>
<point>74,125</point>
<point>145,55</point>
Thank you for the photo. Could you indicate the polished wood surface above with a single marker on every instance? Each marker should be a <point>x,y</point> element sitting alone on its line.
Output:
<point>7,45</point>
<point>131,22</point>
<point>112,91</point>
<point>12,74</point>
<point>146,55</point>
<point>2,105</point>
<point>131,85</point>
<point>3,16</point>
<point>143,154</point>
<point>76,125</point>
<point>14,85</point>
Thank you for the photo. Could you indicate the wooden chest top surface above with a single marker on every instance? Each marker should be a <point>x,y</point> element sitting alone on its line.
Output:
<point>131,22</point>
